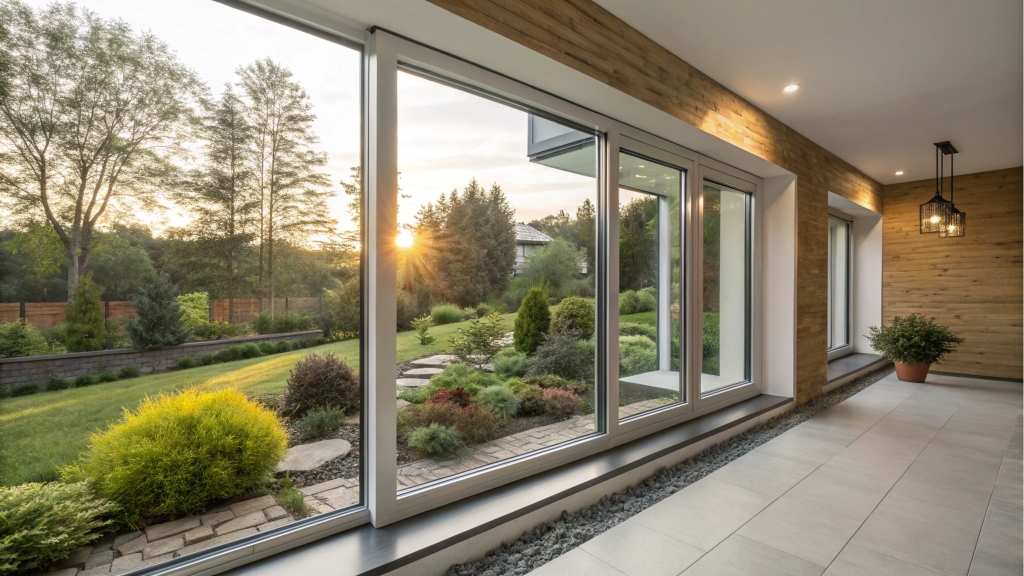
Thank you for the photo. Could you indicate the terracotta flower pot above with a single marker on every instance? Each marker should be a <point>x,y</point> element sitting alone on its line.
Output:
<point>912,372</point>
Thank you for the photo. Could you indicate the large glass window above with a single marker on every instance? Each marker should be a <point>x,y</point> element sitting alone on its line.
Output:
<point>725,213</point>
<point>650,283</point>
<point>838,285</point>
<point>184,173</point>
<point>496,282</point>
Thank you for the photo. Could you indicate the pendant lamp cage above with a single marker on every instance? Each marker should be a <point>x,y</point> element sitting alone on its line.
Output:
<point>956,221</point>
<point>936,212</point>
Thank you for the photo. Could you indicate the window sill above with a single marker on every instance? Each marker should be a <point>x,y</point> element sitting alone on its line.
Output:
<point>367,550</point>
<point>846,368</point>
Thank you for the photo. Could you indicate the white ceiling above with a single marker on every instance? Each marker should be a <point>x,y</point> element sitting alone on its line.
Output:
<point>880,80</point>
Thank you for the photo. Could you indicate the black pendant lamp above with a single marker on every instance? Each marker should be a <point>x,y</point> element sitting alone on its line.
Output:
<point>956,221</point>
<point>935,212</point>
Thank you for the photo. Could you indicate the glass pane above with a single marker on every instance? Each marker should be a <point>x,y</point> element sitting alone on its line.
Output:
<point>838,283</point>
<point>496,313</point>
<point>726,346</point>
<point>650,281</point>
<point>222,212</point>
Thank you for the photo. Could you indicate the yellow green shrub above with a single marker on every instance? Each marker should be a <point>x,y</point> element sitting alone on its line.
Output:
<point>175,455</point>
<point>41,524</point>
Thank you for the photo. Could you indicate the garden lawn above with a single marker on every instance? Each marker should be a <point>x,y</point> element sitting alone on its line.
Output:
<point>43,432</point>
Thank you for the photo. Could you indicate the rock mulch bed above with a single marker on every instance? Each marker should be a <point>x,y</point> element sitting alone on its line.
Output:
<point>548,541</point>
<point>161,542</point>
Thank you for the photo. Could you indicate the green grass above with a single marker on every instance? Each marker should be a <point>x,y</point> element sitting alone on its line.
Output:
<point>41,433</point>
<point>640,318</point>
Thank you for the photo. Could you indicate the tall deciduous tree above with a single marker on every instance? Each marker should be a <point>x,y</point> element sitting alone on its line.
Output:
<point>90,113</point>
<point>221,195</point>
<point>292,190</point>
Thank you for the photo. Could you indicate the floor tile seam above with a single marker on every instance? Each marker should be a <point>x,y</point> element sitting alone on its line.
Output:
<point>580,548</point>
<point>875,508</point>
<point>823,568</point>
<point>977,540</point>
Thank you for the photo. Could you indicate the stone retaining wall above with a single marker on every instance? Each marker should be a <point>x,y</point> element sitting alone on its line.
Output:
<point>14,371</point>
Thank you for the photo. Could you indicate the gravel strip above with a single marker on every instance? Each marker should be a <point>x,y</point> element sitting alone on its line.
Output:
<point>548,541</point>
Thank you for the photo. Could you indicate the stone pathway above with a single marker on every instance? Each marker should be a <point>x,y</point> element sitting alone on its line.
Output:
<point>160,542</point>
<point>429,469</point>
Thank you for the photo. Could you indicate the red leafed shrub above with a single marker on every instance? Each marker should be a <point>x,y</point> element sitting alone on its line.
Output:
<point>475,422</point>
<point>561,403</point>
<point>457,396</point>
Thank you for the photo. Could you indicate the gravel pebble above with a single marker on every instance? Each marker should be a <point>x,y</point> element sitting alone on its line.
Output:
<point>548,541</point>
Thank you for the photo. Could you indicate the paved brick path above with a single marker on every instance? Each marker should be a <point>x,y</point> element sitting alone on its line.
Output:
<point>127,552</point>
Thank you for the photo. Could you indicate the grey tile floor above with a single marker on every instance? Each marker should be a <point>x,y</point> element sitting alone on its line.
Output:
<point>900,479</point>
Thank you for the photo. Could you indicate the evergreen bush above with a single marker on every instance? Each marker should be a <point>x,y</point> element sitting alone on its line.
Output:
<point>24,389</point>
<point>629,303</point>
<point>638,329</point>
<point>85,380</point>
<point>107,376</point>
<point>565,355</point>
<point>500,400</point>
<point>645,301</point>
<point>321,381</point>
<point>509,363</point>
<point>478,342</point>
<point>531,398</point>
<point>437,441</point>
<point>129,371</point>
<point>158,322</point>
<point>576,314</point>
<point>446,314</point>
<point>637,354</point>
<point>85,330</point>
<point>176,455</point>
<point>21,339</point>
<point>532,321</point>
<point>42,524</point>
<point>58,384</point>
<point>320,423</point>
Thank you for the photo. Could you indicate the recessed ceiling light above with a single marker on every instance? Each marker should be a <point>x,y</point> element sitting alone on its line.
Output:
<point>791,88</point>
<point>899,172</point>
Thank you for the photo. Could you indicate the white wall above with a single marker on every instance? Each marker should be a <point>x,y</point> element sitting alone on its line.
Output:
<point>778,286</point>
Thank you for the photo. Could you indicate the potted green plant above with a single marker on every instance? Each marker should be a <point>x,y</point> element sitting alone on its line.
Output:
<point>913,344</point>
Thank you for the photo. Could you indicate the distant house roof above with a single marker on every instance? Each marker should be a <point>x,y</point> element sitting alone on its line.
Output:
<point>530,235</point>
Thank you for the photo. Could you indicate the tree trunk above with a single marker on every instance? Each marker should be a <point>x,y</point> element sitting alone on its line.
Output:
<point>270,269</point>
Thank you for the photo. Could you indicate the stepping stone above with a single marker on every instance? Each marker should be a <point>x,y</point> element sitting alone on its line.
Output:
<point>436,360</point>
<point>412,382</point>
<point>423,372</point>
<point>307,457</point>
<point>402,403</point>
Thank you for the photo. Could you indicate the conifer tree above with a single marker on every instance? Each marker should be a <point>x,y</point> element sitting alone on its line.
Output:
<point>532,321</point>
<point>158,321</point>
<point>83,318</point>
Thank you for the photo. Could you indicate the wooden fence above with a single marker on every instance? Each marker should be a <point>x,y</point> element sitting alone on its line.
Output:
<point>45,315</point>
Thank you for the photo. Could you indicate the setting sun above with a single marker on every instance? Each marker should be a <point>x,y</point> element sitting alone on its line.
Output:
<point>404,239</point>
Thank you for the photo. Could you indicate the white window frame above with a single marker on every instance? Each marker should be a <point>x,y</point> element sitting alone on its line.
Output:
<point>846,349</point>
<point>717,172</point>
<point>381,502</point>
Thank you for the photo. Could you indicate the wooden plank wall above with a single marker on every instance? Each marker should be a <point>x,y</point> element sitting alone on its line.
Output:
<point>588,38</point>
<point>972,284</point>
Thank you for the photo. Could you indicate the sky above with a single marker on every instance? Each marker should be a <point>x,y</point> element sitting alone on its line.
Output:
<point>446,136</point>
